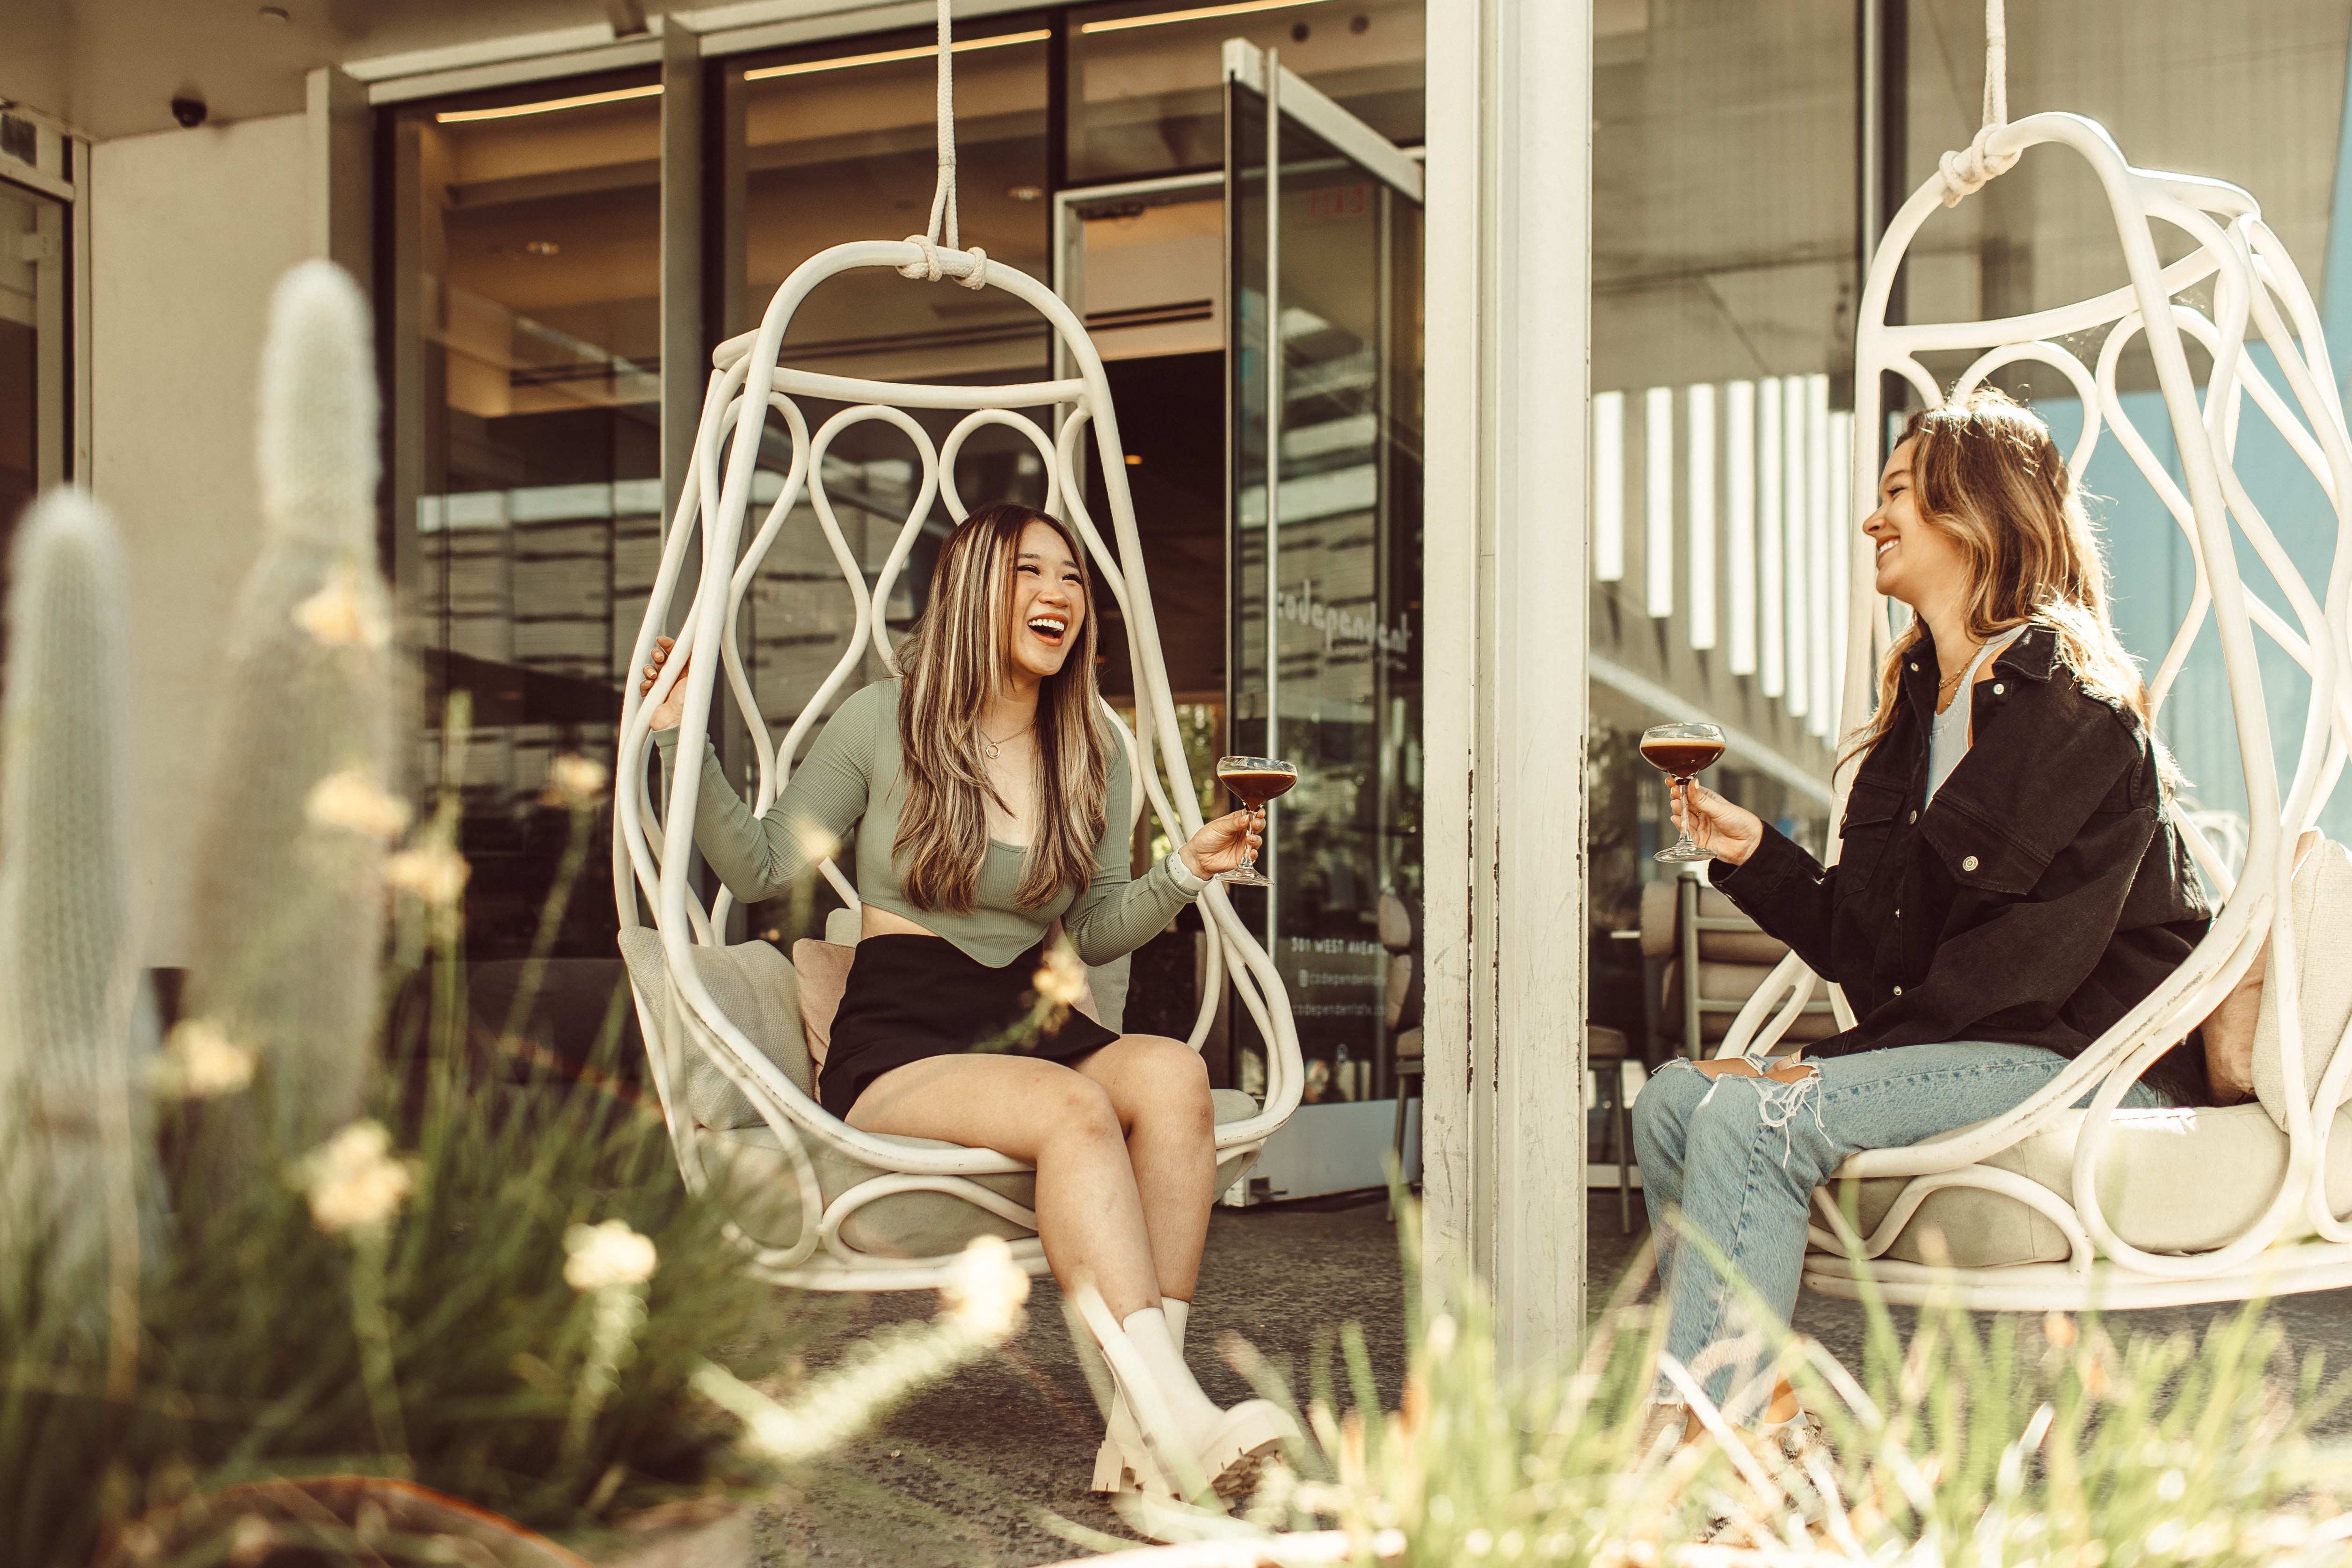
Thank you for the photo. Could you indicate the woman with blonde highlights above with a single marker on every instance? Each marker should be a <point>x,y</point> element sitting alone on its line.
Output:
<point>2010,886</point>
<point>990,800</point>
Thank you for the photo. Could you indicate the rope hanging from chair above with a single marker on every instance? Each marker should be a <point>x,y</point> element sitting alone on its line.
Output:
<point>1965,171</point>
<point>942,235</point>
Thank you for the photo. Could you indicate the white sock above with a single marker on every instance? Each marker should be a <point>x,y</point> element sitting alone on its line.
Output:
<point>1147,1331</point>
<point>1179,1313</point>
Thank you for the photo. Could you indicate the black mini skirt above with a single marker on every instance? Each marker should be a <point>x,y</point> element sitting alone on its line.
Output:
<point>912,998</point>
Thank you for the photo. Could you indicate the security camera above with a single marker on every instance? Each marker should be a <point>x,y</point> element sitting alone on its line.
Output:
<point>189,110</point>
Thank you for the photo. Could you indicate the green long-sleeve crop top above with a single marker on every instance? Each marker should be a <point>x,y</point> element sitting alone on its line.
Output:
<point>851,777</point>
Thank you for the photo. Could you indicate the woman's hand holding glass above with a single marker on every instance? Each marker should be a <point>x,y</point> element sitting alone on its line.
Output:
<point>1225,843</point>
<point>1729,833</point>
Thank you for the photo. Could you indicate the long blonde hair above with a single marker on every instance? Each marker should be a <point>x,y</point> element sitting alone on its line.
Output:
<point>952,662</point>
<point>1986,475</point>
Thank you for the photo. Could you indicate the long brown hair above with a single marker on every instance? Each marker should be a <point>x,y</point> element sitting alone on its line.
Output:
<point>952,663</point>
<point>1987,474</point>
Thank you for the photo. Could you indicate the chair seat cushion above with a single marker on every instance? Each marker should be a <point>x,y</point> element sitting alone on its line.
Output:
<point>764,1196</point>
<point>2170,1180</point>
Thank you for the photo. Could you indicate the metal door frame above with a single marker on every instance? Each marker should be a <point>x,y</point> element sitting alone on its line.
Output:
<point>57,177</point>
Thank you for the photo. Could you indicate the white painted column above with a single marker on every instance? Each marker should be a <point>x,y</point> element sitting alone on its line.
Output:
<point>1507,590</point>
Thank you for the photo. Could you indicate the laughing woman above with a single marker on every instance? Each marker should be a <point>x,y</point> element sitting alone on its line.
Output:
<point>2009,885</point>
<point>990,800</point>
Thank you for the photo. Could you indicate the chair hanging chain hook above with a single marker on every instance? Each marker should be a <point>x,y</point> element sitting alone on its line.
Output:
<point>1967,169</point>
<point>943,236</point>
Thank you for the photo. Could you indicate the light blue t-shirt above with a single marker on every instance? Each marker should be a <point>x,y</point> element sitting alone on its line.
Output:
<point>1948,740</point>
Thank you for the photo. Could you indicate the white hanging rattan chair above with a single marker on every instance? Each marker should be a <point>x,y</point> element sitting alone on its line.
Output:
<point>816,1202</point>
<point>2048,1206</point>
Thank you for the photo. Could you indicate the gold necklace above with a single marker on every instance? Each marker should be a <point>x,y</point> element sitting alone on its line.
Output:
<point>996,749</point>
<point>1953,679</point>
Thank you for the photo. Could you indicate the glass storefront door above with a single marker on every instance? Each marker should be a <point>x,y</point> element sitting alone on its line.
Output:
<point>1324,540</point>
<point>32,353</point>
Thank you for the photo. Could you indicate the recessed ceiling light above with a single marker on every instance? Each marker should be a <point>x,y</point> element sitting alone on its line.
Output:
<point>1133,462</point>
<point>885,57</point>
<point>1196,14</point>
<point>541,247</point>
<point>545,106</point>
<point>1026,193</point>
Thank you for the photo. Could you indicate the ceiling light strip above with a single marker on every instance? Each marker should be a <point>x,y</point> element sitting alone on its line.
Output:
<point>1740,498</point>
<point>1769,556</point>
<point>887,56</point>
<point>1609,486</point>
<point>1197,13</point>
<point>547,105</point>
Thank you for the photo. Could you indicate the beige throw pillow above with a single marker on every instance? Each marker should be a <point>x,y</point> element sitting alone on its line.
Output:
<point>2229,1031</point>
<point>821,969</point>
<point>2320,905</point>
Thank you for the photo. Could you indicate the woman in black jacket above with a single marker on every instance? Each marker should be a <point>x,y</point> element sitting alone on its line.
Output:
<point>2009,884</point>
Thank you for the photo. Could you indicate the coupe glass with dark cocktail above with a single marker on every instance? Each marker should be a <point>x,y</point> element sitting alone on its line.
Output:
<point>1254,781</point>
<point>1683,752</point>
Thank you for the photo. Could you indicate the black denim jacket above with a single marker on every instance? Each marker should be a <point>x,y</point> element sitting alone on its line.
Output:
<point>2042,897</point>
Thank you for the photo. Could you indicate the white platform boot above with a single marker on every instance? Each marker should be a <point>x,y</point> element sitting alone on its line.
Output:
<point>1225,1448</point>
<point>1114,1470</point>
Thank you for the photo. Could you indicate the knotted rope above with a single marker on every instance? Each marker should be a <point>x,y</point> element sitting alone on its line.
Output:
<point>942,237</point>
<point>1967,169</point>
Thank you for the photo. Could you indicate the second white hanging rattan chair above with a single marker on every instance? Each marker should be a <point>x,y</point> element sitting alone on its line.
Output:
<point>2048,1206</point>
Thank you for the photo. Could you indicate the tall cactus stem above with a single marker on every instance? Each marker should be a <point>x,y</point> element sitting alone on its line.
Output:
<point>78,1181</point>
<point>289,908</point>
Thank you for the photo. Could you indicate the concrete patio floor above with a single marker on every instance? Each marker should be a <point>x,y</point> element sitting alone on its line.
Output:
<point>966,1473</point>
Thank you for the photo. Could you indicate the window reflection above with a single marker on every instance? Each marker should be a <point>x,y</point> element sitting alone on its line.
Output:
<point>1724,268</point>
<point>1146,86</point>
<point>530,220</point>
<point>1342,545</point>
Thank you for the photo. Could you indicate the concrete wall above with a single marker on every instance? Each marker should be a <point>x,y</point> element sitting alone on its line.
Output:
<point>190,231</point>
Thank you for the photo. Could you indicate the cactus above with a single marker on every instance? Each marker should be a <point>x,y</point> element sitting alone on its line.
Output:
<point>288,914</point>
<point>75,1031</point>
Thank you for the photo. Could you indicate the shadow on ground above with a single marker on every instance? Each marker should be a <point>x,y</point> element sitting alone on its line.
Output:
<point>964,1474</point>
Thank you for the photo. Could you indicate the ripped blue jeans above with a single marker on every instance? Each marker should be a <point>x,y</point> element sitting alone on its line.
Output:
<point>1740,1158</point>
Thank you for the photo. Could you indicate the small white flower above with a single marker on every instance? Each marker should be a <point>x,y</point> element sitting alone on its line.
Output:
<point>342,615</point>
<point>607,1254</point>
<point>349,799</point>
<point>575,781</point>
<point>251,1539</point>
<point>1062,978</point>
<point>986,1291</point>
<point>436,874</point>
<point>354,1181</point>
<point>200,1061</point>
